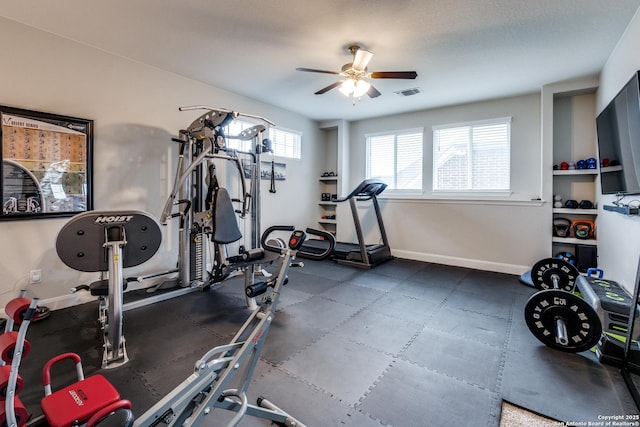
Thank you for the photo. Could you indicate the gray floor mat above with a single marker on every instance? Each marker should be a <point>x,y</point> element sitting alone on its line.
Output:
<point>404,344</point>
<point>411,395</point>
<point>340,368</point>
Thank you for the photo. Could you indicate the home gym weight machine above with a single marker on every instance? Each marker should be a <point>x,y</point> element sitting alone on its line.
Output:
<point>206,210</point>
<point>91,242</point>
<point>210,386</point>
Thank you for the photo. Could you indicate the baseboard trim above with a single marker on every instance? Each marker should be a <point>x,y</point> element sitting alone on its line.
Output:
<point>462,262</point>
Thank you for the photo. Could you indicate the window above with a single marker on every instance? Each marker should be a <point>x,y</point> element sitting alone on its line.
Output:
<point>472,156</point>
<point>285,143</point>
<point>233,129</point>
<point>396,158</point>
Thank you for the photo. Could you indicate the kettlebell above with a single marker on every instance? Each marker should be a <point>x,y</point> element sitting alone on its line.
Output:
<point>561,227</point>
<point>583,229</point>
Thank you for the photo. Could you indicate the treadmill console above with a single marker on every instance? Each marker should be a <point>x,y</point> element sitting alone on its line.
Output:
<point>297,239</point>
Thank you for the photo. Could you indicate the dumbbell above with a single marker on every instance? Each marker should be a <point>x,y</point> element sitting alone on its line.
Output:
<point>554,273</point>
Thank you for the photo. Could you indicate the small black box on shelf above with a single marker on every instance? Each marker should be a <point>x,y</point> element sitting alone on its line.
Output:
<point>586,257</point>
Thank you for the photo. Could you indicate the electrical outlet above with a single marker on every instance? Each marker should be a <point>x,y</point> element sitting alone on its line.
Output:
<point>35,276</point>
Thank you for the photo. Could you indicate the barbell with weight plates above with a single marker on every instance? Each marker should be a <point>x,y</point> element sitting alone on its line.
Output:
<point>562,320</point>
<point>554,273</point>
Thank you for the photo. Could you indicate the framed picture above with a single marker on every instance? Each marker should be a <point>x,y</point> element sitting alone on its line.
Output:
<point>46,164</point>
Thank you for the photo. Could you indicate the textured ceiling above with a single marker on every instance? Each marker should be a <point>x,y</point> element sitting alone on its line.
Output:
<point>462,50</point>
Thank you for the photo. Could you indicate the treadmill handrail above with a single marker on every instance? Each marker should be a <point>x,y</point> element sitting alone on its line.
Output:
<point>366,190</point>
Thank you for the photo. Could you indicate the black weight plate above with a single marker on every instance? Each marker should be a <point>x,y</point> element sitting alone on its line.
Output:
<point>81,241</point>
<point>582,322</point>
<point>543,271</point>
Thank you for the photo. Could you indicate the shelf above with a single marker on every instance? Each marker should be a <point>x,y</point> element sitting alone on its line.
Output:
<point>327,221</point>
<point>328,178</point>
<point>328,203</point>
<point>625,210</point>
<point>574,241</point>
<point>576,172</point>
<point>611,169</point>
<point>575,211</point>
<point>568,118</point>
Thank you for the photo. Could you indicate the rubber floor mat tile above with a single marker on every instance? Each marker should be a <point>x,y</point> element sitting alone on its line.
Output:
<point>408,395</point>
<point>456,357</point>
<point>340,368</point>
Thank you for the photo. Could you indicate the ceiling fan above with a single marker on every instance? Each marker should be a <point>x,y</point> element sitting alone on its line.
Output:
<point>355,73</point>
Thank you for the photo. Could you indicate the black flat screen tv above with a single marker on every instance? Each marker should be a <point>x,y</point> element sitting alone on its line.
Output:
<point>618,129</point>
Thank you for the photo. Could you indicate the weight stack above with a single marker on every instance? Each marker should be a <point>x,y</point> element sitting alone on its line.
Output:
<point>586,257</point>
<point>197,258</point>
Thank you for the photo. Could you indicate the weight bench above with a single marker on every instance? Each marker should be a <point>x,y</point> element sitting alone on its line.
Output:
<point>613,306</point>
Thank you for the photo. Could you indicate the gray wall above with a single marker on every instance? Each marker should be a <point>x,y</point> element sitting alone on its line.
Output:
<point>135,109</point>
<point>500,235</point>
<point>618,235</point>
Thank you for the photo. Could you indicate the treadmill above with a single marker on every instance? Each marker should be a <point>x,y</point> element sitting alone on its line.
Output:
<point>358,254</point>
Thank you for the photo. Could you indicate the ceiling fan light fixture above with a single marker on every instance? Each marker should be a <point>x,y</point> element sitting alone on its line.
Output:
<point>355,88</point>
<point>361,88</point>
<point>353,73</point>
<point>347,87</point>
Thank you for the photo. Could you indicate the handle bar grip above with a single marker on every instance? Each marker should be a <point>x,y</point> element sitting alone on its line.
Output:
<point>330,248</point>
<point>592,271</point>
<point>268,231</point>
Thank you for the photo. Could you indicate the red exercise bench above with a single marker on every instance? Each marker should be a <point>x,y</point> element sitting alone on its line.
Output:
<point>75,403</point>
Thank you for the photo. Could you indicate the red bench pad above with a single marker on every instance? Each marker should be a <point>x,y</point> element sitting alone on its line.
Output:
<point>78,401</point>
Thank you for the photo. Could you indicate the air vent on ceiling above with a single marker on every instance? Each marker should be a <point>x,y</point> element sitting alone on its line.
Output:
<point>409,92</point>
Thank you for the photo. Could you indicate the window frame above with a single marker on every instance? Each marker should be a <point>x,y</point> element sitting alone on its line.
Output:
<point>395,134</point>
<point>297,135</point>
<point>470,192</point>
<point>270,134</point>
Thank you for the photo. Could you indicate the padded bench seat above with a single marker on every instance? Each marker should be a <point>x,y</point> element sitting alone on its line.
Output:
<point>79,401</point>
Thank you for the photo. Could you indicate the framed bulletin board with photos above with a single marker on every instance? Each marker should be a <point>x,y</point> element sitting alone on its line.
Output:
<point>46,164</point>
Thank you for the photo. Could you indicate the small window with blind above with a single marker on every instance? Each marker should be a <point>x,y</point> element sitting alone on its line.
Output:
<point>396,158</point>
<point>472,157</point>
<point>285,142</point>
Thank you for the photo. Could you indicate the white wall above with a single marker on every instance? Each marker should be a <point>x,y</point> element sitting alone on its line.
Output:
<point>508,236</point>
<point>618,235</point>
<point>135,113</point>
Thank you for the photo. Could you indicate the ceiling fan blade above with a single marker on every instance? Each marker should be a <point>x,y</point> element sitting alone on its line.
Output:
<point>373,92</point>
<point>393,75</point>
<point>328,88</point>
<point>312,70</point>
<point>361,59</point>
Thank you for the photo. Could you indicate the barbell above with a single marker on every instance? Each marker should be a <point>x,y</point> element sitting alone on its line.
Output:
<point>562,320</point>
<point>554,315</point>
<point>554,273</point>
